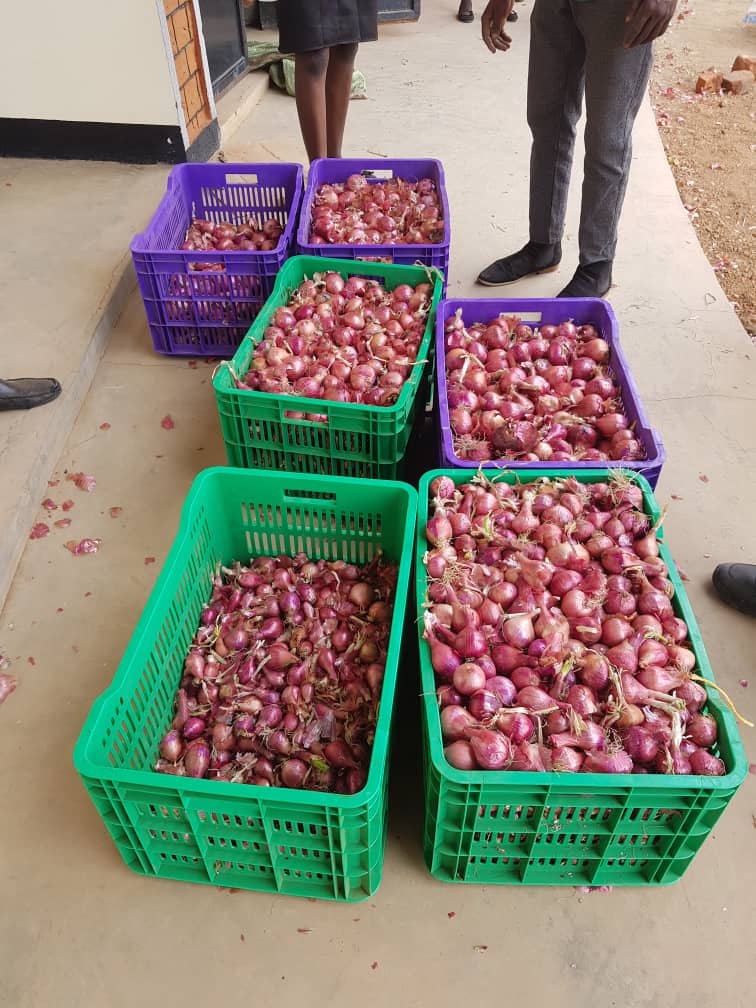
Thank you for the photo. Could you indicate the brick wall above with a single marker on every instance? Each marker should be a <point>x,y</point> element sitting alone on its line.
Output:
<point>182,30</point>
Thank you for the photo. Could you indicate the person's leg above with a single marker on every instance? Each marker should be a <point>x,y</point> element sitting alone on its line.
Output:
<point>615,84</point>
<point>338,88</point>
<point>310,86</point>
<point>555,94</point>
<point>555,99</point>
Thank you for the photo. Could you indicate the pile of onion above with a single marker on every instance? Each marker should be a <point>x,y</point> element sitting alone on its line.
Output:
<point>342,340</point>
<point>553,636</point>
<point>206,236</point>
<point>390,212</point>
<point>282,683</point>
<point>534,395</point>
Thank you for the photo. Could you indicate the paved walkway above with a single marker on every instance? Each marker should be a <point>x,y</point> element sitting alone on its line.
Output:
<point>79,929</point>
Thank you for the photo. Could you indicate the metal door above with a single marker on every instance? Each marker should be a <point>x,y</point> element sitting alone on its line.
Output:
<point>225,41</point>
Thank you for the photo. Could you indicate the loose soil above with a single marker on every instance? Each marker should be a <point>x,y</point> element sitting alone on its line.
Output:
<point>710,140</point>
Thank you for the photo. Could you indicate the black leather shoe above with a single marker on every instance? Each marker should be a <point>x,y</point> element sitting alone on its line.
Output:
<point>26,393</point>
<point>591,280</point>
<point>514,16</point>
<point>534,258</point>
<point>735,583</point>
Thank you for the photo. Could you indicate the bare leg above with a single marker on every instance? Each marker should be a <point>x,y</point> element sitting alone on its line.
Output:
<point>310,87</point>
<point>338,87</point>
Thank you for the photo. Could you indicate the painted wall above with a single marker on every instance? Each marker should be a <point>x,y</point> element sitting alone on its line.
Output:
<point>85,61</point>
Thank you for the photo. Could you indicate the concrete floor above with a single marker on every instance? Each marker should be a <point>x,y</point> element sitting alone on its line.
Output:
<point>79,928</point>
<point>65,279</point>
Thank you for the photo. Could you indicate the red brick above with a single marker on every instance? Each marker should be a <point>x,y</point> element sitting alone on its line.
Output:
<point>183,73</point>
<point>738,81</point>
<point>193,97</point>
<point>193,128</point>
<point>192,57</point>
<point>181,28</point>
<point>708,80</point>
<point>185,105</point>
<point>745,63</point>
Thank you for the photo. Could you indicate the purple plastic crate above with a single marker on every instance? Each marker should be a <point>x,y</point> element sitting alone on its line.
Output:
<point>338,170</point>
<point>205,313</point>
<point>550,311</point>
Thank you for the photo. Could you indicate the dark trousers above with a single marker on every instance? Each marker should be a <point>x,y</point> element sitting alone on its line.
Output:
<point>575,50</point>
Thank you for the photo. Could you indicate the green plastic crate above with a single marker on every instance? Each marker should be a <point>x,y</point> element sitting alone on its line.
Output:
<point>499,828</point>
<point>246,837</point>
<point>356,440</point>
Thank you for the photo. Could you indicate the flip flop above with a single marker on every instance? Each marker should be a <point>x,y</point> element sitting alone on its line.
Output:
<point>466,17</point>
<point>26,393</point>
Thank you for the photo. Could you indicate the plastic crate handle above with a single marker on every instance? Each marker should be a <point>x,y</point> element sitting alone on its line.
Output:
<point>323,497</point>
<point>239,179</point>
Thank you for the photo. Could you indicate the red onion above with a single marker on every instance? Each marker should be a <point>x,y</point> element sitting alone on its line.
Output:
<point>443,659</point>
<point>193,728</point>
<point>294,773</point>
<point>652,652</point>
<point>673,763</point>
<point>624,656</point>
<point>460,755</point>
<point>693,694</point>
<point>455,722</point>
<point>582,700</point>
<point>559,626</point>
<point>448,697</point>
<point>702,728</point>
<point>527,757</point>
<point>589,737</point>
<point>503,688</point>
<point>468,678</point>
<point>681,657</point>
<point>470,643</point>
<point>171,746</point>
<point>615,762</point>
<point>260,701</point>
<point>640,744</point>
<point>703,762</point>
<point>659,679</point>
<point>492,750</point>
<point>518,632</point>
<point>339,754</point>
<point>517,727</point>
<point>566,760</point>
<point>483,704</point>
<point>196,758</point>
<point>534,698</point>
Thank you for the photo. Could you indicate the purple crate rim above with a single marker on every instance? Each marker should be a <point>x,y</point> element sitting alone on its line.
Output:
<point>278,174</point>
<point>544,311</point>
<point>331,170</point>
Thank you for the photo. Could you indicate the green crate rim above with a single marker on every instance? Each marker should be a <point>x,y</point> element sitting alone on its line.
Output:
<point>164,586</point>
<point>588,782</point>
<point>293,272</point>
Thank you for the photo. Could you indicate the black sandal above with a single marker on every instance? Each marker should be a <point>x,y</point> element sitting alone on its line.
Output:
<point>26,393</point>
<point>531,260</point>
